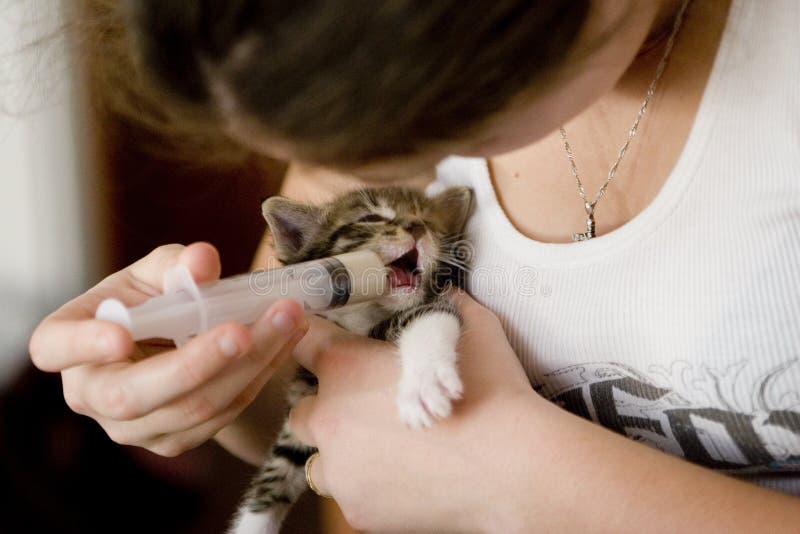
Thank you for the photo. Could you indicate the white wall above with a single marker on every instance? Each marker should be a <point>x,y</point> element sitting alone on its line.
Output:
<point>46,247</point>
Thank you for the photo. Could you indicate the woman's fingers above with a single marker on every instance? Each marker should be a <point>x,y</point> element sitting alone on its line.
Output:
<point>70,336</point>
<point>300,418</point>
<point>229,392</point>
<point>472,313</point>
<point>132,391</point>
<point>201,433</point>
<point>202,260</point>
<point>328,347</point>
<point>321,335</point>
<point>58,344</point>
<point>188,422</point>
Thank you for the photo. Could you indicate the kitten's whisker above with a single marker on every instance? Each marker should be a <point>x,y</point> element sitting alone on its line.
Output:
<point>450,240</point>
<point>366,195</point>
<point>449,256</point>
<point>456,265</point>
<point>446,256</point>
<point>454,237</point>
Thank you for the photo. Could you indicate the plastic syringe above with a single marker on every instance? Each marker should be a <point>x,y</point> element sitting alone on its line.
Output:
<point>186,309</point>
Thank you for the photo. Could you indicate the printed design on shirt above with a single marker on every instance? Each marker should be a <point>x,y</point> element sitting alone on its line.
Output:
<point>733,419</point>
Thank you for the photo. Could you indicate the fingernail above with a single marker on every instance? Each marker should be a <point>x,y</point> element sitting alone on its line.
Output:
<point>228,346</point>
<point>283,322</point>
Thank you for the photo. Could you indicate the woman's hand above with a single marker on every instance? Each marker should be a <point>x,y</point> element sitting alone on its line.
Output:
<point>387,477</point>
<point>506,460</point>
<point>151,394</point>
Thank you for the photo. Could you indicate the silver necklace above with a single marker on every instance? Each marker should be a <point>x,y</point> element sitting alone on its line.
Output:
<point>590,206</point>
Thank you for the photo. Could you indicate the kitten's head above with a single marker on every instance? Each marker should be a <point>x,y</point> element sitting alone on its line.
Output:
<point>414,235</point>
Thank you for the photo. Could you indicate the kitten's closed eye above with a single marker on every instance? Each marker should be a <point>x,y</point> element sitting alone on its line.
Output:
<point>372,218</point>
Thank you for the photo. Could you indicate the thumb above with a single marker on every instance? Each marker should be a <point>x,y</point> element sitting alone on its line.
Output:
<point>202,260</point>
<point>327,345</point>
<point>470,310</point>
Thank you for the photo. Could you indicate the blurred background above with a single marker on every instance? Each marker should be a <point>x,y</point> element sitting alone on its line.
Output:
<point>84,193</point>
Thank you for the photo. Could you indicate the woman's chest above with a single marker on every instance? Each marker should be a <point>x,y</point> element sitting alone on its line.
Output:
<point>538,190</point>
<point>689,342</point>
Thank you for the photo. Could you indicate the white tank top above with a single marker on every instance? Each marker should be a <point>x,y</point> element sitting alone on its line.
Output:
<point>680,329</point>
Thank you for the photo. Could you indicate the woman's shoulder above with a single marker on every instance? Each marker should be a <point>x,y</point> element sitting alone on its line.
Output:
<point>459,171</point>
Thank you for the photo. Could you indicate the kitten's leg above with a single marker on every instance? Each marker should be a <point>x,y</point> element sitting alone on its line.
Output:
<point>281,479</point>
<point>279,483</point>
<point>429,382</point>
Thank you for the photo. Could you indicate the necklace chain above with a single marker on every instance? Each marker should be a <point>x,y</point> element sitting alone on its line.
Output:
<point>590,206</point>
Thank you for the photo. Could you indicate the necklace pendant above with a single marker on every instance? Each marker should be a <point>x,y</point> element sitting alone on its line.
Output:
<point>582,237</point>
<point>589,233</point>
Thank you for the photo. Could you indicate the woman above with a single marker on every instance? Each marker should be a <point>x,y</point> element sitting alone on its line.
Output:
<point>673,320</point>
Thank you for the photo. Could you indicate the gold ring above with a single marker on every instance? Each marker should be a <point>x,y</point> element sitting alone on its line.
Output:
<point>310,482</point>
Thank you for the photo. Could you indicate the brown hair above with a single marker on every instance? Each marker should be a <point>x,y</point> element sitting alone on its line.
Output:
<point>344,82</point>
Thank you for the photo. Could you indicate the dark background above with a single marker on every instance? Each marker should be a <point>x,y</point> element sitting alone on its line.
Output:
<point>60,472</point>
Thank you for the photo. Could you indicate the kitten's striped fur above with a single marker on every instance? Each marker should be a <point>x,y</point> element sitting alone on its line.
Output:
<point>423,323</point>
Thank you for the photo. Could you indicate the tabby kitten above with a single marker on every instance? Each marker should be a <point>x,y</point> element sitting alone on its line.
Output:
<point>416,237</point>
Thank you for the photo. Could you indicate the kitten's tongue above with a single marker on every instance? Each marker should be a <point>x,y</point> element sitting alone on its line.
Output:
<point>402,270</point>
<point>399,277</point>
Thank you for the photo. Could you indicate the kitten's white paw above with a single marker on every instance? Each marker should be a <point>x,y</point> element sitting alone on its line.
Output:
<point>430,381</point>
<point>268,522</point>
<point>428,395</point>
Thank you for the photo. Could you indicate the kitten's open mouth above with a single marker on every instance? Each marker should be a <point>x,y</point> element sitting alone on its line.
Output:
<point>403,271</point>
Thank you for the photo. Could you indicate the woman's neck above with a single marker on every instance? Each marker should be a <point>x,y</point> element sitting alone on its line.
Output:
<point>534,183</point>
<point>662,25</point>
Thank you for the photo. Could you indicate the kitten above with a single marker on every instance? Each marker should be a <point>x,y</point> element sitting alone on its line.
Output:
<point>416,237</point>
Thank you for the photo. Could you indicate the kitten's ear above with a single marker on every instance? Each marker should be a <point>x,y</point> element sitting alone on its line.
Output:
<point>452,207</point>
<point>292,225</point>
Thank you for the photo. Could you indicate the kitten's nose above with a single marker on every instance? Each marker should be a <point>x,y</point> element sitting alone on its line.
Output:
<point>414,227</point>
